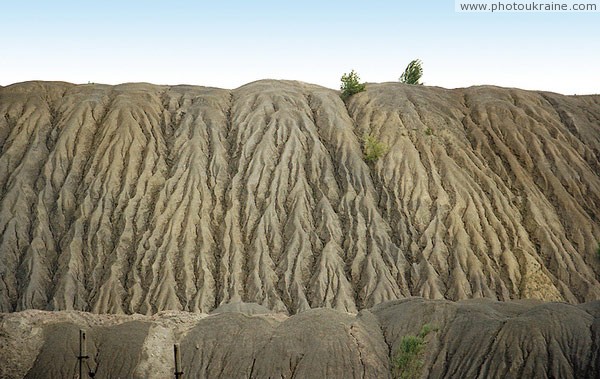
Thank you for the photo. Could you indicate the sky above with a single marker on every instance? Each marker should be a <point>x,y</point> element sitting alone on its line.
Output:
<point>230,43</point>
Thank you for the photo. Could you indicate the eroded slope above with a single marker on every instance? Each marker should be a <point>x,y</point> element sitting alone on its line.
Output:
<point>143,198</point>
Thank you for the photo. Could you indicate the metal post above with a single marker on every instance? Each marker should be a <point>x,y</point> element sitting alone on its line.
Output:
<point>178,372</point>
<point>82,352</point>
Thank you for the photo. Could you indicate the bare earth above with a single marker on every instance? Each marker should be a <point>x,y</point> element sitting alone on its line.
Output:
<point>147,199</point>
<point>143,198</point>
<point>471,339</point>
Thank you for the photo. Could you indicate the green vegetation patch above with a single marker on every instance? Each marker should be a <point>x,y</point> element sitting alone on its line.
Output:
<point>373,149</point>
<point>412,73</point>
<point>350,85</point>
<point>409,359</point>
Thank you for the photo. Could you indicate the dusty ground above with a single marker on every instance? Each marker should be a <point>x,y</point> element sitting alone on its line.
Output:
<point>139,198</point>
<point>469,339</point>
<point>159,200</point>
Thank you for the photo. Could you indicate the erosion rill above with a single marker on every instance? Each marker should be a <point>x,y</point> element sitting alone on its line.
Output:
<point>247,226</point>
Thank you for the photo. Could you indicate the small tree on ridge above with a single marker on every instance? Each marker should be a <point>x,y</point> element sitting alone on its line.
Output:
<point>413,72</point>
<point>350,85</point>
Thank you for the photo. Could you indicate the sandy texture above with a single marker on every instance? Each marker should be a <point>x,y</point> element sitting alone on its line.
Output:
<point>139,198</point>
<point>469,339</point>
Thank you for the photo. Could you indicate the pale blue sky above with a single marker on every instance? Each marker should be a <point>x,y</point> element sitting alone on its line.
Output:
<point>230,43</point>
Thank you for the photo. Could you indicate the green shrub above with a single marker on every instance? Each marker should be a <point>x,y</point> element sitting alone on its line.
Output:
<point>373,149</point>
<point>412,73</point>
<point>429,132</point>
<point>598,251</point>
<point>408,361</point>
<point>426,329</point>
<point>350,85</point>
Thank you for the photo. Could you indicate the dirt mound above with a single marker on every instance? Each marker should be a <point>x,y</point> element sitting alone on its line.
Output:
<point>239,307</point>
<point>472,338</point>
<point>139,198</point>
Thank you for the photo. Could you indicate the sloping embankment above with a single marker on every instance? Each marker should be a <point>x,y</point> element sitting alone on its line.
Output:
<point>143,198</point>
<point>469,339</point>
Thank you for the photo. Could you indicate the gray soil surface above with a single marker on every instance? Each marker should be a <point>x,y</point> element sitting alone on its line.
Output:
<point>140,198</point>
<point>247,226</point>
<point>469,339</point>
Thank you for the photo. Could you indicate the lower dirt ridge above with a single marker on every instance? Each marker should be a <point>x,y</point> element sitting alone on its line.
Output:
<point>409,338</point>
